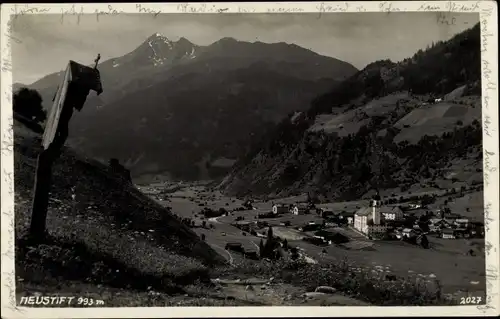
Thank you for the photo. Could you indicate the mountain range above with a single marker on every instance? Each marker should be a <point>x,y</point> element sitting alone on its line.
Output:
<point>190,111</point>
<point>402,127</point>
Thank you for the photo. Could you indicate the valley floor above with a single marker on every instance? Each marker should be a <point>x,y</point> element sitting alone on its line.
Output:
<point>446,262</point>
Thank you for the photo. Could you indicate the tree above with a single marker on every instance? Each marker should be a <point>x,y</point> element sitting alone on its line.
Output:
<point>204,224</point>
<point>28,103</point>
<point>424,242</point>
<point>285,244</point>
<point>424,224</point>
<point>294,253</point>
<point>270,244</point>
<point>270,233</point>
<point>203,237</point>
<point>261,248</point>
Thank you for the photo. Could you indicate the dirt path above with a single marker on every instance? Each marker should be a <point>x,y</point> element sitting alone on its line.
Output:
<point>224,253</point>
<point>215,220</point>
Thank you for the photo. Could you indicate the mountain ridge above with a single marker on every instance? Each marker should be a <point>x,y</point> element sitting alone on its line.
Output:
<point>207,89</point>
<point>158,37</point>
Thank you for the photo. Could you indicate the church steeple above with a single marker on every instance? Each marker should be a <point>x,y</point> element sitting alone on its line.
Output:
<point>375,204</point>
<point>375,199</point>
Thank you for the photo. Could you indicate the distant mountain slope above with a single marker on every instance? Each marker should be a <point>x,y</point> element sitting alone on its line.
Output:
<point>175,107</point>
<point>378,129</point>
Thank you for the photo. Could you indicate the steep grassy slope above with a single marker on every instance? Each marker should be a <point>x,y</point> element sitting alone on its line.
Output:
<point>110,234</point>
<point>377,129</point>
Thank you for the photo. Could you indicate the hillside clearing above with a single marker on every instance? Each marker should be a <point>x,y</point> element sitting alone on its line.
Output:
<point>436,119</point>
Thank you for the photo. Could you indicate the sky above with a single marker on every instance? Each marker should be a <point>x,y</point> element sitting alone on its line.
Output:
<point>43,43</point>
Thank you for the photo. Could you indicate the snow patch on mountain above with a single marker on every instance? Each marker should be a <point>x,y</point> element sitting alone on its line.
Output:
<point>192,55</point>
<point>157,59</point>
<point>163,39</point>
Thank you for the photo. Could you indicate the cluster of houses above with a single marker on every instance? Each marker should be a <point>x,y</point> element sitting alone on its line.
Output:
<point>377,220</point>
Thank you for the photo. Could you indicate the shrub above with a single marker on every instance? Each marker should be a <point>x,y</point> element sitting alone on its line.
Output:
<point>28,103</point>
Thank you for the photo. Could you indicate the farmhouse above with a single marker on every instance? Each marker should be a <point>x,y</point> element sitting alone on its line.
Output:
<point>393,213</point>
<point>299,209</point>
<point>414,205</point>
<point>349,216</point>
<point>407,233</point>
<point>461,222</point>
<point>452,216</point>
<point>327,213</point>
<point>448,234</point>
<point>280,209</point>
<point>245,225</point>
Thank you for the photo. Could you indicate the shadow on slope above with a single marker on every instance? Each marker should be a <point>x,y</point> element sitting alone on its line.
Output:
<point>108,234</point>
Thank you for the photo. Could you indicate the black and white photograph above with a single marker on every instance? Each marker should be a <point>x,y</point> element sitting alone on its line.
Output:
<point>313,155</point>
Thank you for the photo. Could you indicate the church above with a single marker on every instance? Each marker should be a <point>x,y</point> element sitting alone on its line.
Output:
<point>368,220</point>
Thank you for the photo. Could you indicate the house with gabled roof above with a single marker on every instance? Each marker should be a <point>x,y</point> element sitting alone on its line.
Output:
<point>299,209</point>
<point>392,213</point>
<point>280,209</point>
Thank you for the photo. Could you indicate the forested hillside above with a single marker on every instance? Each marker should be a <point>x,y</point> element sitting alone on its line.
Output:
<point>391,126</point>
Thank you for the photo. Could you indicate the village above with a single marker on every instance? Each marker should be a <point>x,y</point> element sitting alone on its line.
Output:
<point>401,234</point>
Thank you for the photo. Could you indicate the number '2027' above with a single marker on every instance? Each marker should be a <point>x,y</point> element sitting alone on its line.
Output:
<point>470,300</point>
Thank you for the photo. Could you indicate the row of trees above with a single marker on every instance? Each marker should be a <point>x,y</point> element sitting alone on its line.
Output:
<point>273,247</point>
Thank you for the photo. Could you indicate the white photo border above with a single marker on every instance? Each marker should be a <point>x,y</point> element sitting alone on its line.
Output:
<point>489,68</point>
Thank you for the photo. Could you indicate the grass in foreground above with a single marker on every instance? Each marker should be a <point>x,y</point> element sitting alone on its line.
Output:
<point>370,287</point>
<point>110,235</point>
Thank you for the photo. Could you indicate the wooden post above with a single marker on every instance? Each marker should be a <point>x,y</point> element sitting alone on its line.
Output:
<point>41,193</point>
<point>77,81</point>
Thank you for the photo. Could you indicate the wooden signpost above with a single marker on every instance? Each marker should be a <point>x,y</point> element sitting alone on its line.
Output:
<point>77,82</point>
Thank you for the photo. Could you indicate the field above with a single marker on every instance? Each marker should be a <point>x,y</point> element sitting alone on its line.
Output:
<point>435,119</point>
<point>423,119</point>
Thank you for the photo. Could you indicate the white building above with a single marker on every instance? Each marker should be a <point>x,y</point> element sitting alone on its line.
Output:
<point>299,209</point>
